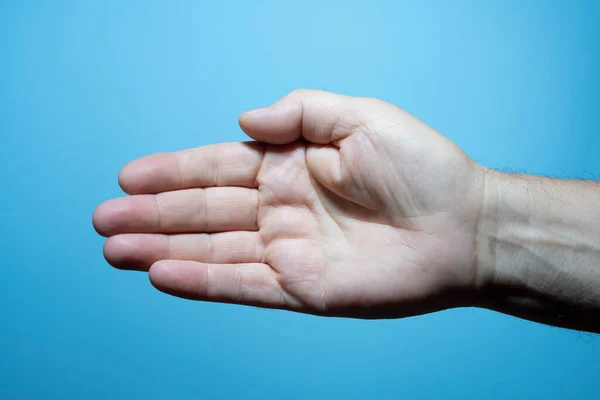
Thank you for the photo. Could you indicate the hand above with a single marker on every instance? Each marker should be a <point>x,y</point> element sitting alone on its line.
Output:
<point>343,206</point>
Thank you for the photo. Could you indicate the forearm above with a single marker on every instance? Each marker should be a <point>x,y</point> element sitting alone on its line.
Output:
<point>539,250</point>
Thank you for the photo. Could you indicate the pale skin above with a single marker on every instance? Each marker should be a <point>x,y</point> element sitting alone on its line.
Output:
<point>345,206</point>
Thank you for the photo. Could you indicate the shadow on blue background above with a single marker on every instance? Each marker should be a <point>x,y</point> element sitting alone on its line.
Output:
<point>87,86</point>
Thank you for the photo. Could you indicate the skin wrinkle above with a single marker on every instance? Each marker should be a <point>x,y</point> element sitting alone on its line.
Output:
<point>178,163</point>
<point>159,213</point>
<point>391,221</point>
<point>379,202</point>
<point>328,127</point>
<point>210,249</point>
<point>478,274</point>
<point>259,248</point>
<point>262,148</point>
<point>259,240</point>
<point>256,209</point>
<point>325,261</point>
<point>204,210</point>
<point>330,196</point>
<point>307,202</point>
<point>389,192</point>
<point>530,302</point>
<point>337,139</point>
<point>209,279</point>
<point>303,124</point>
<point>215,165</point>
<point>168,245</point>
<point>295,301</point>
<point>345,176</point>
<point>288,299</point>
<point>239,283</point>
<point>340,193</point>
<point>324,207</point>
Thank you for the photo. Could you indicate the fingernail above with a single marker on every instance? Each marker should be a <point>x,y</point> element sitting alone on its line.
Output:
<point>256,111</point>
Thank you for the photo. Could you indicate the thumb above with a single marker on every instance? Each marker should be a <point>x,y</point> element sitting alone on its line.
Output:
<point>313,115</point>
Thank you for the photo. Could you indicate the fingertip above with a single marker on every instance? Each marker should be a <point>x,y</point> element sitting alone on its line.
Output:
<point>251,121</point>
<point>133,252</point>
<point>110,250</point>
<point>99,218</point>
<point>275,124</point>
<point>125,215</point>
<point>250,114</point>
<point>185,279</point>
<point>161,275</point>
<point>151,174</point>
<point>116,250</point>
<point>137,174</point>
<point>125,178</point>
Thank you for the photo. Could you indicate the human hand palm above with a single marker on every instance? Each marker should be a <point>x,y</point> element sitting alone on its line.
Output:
<point>345,206</point>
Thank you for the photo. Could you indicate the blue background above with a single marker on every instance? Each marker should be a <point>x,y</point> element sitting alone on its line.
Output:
<point>87,86</point>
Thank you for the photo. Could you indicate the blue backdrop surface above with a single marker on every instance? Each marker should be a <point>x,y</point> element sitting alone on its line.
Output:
<point>86,86</point>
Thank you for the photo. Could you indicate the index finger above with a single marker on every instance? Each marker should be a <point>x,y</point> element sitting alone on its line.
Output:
<point>225,164</point>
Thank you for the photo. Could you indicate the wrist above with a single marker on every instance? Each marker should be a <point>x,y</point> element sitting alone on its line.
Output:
<point>505,235</point>
<point>538,249</point>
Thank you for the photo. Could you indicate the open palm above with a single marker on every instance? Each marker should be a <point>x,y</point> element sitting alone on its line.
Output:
<point>343,206</point>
